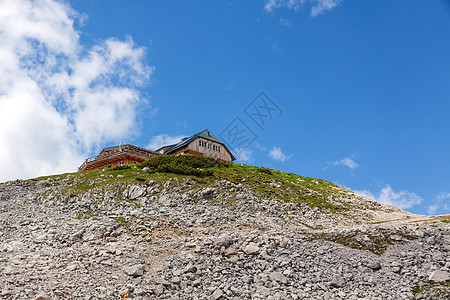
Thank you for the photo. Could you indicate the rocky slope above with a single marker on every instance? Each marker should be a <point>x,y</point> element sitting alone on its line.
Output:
<point>243,233</point>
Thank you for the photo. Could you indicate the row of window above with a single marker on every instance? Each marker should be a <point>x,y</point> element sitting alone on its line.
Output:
<point>209,146</point>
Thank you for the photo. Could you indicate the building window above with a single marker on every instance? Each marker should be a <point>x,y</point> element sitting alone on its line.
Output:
<point>218,149</point>
<point>209,146</point>
<point>200,143</point>
<point>109,166</point>
<point>121,163</point>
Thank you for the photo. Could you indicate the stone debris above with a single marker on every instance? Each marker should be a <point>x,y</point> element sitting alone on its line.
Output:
<point>337,281</point>
<point>10,270</point>
<point>251,249</point>
<point>135,271</point>
<point>439,276</point>
<point>176,240</point>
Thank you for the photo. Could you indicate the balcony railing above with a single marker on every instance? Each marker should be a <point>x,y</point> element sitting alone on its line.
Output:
<point>125,149</point>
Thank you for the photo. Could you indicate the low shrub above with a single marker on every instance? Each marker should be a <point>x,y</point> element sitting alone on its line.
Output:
<point>265,170</point>
<point>184,164</point>
<point>119,168</point>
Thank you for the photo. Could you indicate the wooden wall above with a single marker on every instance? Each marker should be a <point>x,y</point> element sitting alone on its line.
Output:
<point>223,154</point>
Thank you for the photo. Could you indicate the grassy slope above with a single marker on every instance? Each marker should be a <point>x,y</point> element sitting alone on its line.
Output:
<point>263,182</point>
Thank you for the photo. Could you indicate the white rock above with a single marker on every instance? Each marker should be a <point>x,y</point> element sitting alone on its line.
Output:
<point>278,277</point>
<point>10,270</point>
<point>439,276</point>
<point>217,294</point>
<point>251,248</point>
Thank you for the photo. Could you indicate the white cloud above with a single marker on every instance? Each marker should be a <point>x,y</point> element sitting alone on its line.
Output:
<point>285,22</point>
<point>243,154</point>
<point>277,154</point>
<point>60,100</point>
<point>291,4</point>
<point>403,199</point>
<point>271,4</point>
<point>443,196</point>
<point>432,209</point>
<point>322,6</point>
<point>317,6</point>
<point>440,204</point>
<point>163,140</point>
<point>276,47</point>
<point>346,161</point>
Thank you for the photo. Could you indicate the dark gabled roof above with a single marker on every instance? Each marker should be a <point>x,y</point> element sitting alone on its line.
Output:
<point>204,134</point>
<point>163,147</point>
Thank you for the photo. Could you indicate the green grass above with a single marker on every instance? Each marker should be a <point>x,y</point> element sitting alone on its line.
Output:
<point>377,243</point>
<point>184,165</point>
<point>429,286</point>
<point>119,168</point>
<point>263,182</point>
<point>284,187</point>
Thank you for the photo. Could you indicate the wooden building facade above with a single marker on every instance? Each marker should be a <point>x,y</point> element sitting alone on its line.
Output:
<point>203,143</point>
<point>117,156</point>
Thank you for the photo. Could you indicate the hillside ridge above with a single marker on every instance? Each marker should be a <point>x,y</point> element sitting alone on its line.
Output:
<point>228,232</point>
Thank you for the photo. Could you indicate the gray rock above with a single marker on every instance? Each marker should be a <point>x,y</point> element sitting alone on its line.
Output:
<point>136,191</point>
<point>176,280</point>
<point>337,281</point>
<point>162,281</point>
<point>230,251</point>
<point>196,283</point>
<point>278,277</point>
<point>208,193</point>
<point>9,270</point>
<point>217,294</point>
<point>373,264</point>
<point>135,270</point>
<point>396,266</point>
<point>190,269</point>
<point>251,248</point>
<point>158,289</point>
<point>439,276</point>
<point>41,296</point>
<point>166,200</point>
<point>396,238</point>
<point>224,241</point>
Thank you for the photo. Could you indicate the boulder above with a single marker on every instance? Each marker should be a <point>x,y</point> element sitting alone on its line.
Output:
<point>439,276</point>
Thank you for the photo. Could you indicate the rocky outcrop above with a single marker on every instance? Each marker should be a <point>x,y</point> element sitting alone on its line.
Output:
<point>179,239</point>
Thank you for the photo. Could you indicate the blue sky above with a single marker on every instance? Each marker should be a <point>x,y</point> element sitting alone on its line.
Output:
<point>362,87</point>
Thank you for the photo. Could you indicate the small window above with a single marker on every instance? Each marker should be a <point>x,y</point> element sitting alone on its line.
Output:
<point>109,166</point>
<point>218,149</point>
<point>121,163</point>
<point>209,146</point>
<point>200,143</point>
